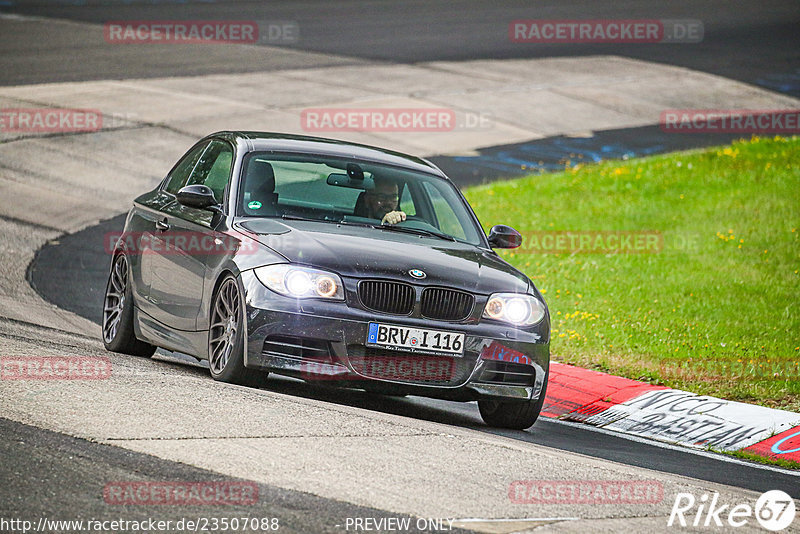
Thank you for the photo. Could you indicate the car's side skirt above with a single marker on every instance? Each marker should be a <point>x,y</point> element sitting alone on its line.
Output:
<point>150,330</point>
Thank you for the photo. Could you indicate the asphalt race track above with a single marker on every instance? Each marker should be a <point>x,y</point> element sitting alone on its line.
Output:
<point>755,42</point>
<point>166,419</point>
<point>52,463</point>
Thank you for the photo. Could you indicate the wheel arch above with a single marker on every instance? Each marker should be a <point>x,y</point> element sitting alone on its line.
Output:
<point>249,376</point>
<point>221,276</point>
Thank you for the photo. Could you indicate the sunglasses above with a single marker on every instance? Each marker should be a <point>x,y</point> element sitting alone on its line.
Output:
<point>383,198</point>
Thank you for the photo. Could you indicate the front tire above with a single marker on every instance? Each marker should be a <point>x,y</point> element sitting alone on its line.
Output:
<point>513,415</point>
<point>118,332</point>
<point>226,338</point>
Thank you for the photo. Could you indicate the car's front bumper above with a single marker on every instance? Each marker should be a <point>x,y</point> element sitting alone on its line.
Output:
<point>494,354</point>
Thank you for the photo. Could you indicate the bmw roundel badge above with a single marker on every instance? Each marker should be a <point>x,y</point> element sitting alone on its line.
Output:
<point>417,273</point>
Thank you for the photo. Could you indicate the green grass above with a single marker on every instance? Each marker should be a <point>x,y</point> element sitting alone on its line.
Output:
<point>757,458</point>
<point>716,310</point>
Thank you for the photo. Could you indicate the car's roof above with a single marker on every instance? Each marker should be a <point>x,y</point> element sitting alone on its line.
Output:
<point>280,142</point>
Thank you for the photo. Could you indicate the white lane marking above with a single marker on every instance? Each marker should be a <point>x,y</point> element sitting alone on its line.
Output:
<point>11,16</point>
<point>509,520</point>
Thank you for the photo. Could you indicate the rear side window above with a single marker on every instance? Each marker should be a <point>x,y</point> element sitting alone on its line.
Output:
<point>183,169</point>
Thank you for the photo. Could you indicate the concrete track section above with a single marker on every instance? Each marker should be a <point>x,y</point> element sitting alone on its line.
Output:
<point>490,102</point>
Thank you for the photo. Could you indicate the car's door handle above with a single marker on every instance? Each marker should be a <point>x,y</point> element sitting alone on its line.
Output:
<point>163,226</point>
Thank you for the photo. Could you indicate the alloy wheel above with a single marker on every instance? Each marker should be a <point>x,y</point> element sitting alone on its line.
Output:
<point>224,326</point>
<point>115,298</point>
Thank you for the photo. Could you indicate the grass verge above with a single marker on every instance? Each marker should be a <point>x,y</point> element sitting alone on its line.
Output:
<point>710,304</point>
<point>766,460</point>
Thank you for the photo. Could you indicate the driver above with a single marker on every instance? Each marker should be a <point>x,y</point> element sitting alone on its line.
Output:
<point>381,202</point>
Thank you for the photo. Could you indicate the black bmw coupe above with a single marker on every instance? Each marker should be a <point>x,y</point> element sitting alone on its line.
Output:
<point>328,261</point>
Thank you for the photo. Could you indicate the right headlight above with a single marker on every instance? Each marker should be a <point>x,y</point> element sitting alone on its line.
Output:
<point>514,308</point>
<point>301,282</point>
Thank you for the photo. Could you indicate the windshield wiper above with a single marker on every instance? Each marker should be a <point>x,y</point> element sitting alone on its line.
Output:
<point>299,218</point>
<point>393,228</point>
<point>329,221</point>
<point>417,231</point>
<point>362,225</point>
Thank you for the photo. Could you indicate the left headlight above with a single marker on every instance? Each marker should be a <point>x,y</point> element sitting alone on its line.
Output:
<point>517,309</point>
<point>301,282</point>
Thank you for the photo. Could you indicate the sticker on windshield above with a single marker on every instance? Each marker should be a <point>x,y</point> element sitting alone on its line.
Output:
<point>254,205</point>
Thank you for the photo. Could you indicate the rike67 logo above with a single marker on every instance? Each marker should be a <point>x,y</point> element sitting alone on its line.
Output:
<point>774,510</point>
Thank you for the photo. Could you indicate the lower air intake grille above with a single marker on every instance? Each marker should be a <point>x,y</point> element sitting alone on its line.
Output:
<point>297,347</point>
<point>387,297</point>
<point>408,367</point>
<point>507,373</point>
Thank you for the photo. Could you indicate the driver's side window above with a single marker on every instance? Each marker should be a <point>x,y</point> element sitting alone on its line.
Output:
<point>214,168</point>
<point>179,175</point>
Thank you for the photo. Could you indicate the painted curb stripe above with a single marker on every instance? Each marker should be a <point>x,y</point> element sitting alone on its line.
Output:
<point>575,394</point>
<point>783,446</point>
<point>671,415</point>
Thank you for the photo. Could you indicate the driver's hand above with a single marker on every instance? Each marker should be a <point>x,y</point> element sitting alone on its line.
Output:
<point>393,217</point>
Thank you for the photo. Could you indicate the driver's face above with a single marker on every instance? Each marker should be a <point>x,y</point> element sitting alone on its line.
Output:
<point>381,200</point>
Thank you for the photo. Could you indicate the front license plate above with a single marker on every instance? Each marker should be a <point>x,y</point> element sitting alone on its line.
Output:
<point>396,337</point>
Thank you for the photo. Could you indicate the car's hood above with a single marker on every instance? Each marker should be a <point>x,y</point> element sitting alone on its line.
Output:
<point>363,252</point>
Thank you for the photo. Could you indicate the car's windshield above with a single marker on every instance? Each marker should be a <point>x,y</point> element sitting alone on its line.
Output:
<point>336,190</point>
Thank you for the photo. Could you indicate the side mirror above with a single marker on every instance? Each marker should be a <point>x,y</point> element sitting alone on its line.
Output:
<point>502,236</point>
<point>197,196</point>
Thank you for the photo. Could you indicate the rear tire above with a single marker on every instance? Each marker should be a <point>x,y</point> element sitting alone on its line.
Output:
<point>226,338</point>
<point>118,331</point>
<point>513,415</point>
